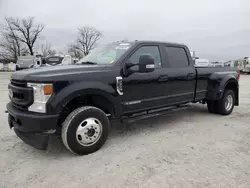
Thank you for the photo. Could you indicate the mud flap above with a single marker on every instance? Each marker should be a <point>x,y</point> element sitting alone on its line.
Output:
<point>37,141</point>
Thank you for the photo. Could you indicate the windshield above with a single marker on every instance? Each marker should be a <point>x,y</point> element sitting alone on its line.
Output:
<point>106,54</point>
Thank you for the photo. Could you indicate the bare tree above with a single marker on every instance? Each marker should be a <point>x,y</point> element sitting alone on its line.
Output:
<point>10,45</point>
<point>26,31</point>
<point>46,50</point>
<point>87,39</point>
<point>9,49</point>
<point>5,56</point>
<point>74,51</point>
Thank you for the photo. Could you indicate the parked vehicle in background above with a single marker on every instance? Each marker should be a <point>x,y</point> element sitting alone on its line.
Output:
<point>198,62</point>
<point>217,64</point>
<point>192,53</point>
<point>202,63</point>
<point>46,61</point>
<point>118,81</point>
<point>244,65</point>
<point>53,60</point>
<point>69,60</point>
<point>37,62</point>
<point>24,62</point>
<point>12,66</point>
<point>229,64</point>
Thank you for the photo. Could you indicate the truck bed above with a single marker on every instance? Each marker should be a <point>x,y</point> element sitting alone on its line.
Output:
<point>205,75</point>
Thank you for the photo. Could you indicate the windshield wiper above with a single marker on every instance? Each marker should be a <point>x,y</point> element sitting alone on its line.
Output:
<point>89,62</point>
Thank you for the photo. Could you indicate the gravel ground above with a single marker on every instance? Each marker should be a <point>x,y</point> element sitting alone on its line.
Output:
<point>190,148</point>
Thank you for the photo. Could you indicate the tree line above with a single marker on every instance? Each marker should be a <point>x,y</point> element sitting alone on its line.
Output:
<point>21,37</point>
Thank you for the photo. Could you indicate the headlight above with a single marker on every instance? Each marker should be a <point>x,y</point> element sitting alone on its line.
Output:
<point>42,93</point>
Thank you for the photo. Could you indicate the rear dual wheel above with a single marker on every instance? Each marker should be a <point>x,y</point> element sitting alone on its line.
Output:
<point>212,106</point>
<point>225,105</point>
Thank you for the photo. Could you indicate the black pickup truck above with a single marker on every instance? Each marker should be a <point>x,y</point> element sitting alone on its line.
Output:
<point>114,82</point>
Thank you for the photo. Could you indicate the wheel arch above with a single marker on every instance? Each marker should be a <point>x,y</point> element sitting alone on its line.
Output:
<point>218,84</point>
<point>232,84</point>
<point>92,97</point>
<point>79,92</point>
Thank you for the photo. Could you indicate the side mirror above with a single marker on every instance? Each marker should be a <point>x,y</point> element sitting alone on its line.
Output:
<point>146,63</point>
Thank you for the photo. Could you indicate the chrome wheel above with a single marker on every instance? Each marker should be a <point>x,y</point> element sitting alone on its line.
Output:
<point>89,131</point>
<point>229,102</point>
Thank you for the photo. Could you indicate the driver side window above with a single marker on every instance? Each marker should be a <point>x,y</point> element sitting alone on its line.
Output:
<point>152,50</point>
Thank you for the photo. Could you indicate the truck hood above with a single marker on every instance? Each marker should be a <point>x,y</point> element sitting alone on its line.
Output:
<point>56,73</point>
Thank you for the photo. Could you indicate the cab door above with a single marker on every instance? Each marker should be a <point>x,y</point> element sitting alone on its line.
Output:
<point>143,91</point>
<point>181,75</point>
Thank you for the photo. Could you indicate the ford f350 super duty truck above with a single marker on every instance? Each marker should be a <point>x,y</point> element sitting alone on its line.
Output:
<point>113,82</point>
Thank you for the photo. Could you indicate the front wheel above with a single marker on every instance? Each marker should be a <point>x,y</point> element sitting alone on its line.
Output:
<point>85,130</point>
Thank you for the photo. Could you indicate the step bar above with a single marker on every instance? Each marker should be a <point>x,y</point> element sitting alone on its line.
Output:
<point>153,113</point>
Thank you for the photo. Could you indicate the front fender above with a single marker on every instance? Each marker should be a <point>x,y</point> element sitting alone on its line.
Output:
<point>63,97</point>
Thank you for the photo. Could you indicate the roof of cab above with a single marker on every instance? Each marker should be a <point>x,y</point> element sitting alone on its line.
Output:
<point>149,42</point>
<point>159,42</point>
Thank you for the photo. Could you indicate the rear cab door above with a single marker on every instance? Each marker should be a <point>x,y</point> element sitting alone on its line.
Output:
<point>181,74</point>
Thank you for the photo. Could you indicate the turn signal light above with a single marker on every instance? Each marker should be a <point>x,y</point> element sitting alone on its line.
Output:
<point>47,89</point>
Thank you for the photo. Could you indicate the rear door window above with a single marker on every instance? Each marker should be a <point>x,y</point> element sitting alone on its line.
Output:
<point>177,57</point>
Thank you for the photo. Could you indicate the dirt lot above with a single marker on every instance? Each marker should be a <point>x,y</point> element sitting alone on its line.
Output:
<point>191,148</point>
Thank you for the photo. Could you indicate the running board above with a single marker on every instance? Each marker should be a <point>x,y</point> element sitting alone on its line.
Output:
<point>153,113</point>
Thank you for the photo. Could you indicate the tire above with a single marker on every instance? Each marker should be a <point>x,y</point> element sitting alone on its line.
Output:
<point>212,106</point>
<point>223,109</point>
<point>82,126</point>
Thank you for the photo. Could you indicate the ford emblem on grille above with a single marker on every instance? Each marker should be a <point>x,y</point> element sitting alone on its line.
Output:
<point>10,93</point>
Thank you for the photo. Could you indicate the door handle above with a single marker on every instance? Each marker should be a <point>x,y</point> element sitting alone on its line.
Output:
<point>163,78</point>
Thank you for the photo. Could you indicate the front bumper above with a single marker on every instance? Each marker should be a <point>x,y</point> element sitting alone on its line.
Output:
<point>32,128</point>
<point>32,122</point>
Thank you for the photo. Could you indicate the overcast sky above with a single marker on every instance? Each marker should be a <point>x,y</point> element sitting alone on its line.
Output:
<point>215,29</point>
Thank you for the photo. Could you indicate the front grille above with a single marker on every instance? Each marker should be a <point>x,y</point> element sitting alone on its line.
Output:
<point>22,95</point>
<point>19,96</point>
<point>18,83</point>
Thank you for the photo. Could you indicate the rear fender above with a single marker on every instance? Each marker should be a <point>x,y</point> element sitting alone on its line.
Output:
<point>217,84</point>
<point>232,84</point>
